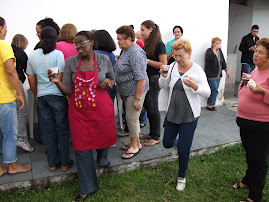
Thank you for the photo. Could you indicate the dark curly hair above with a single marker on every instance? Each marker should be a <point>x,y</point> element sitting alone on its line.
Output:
<point>49,22</point>
<point>2,22</point>
<point>48,37</point>
<point>89,36</point>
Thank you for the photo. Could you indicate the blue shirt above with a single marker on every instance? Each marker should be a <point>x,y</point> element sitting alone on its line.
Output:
<point>110,55</point>
<point>38,64</point>
<point>168,46</point>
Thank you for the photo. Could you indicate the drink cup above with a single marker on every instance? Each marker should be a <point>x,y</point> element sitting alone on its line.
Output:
<point>165,68</point>
<point>55,71</point>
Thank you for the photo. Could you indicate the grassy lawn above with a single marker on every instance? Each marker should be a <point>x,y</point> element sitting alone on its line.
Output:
<point>209,178</point>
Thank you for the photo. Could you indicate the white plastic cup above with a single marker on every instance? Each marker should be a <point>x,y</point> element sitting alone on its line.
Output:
<point>55,71</point>
<point>252,83</point>
<point>165,68</point>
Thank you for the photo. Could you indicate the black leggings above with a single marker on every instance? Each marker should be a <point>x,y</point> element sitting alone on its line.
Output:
<point>255,140</point>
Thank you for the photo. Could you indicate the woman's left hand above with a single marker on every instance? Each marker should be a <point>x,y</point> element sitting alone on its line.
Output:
<point>137,105</point>
<point>190,82</point>
<point>257,90</point>
<point>108,84</point>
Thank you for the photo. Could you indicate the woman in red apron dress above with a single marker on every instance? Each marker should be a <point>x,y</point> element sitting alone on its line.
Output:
<point>91,111</point>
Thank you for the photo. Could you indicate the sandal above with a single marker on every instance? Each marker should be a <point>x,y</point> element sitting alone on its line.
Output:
<point>152,142</point>
<point>142,125</point>
<point>126,147</point>
<point>19,169</point>
<point>210,108</point>
<point>132,155</point>
<point>215,108</point>
<point>239,187</point>
<point>146,136</point>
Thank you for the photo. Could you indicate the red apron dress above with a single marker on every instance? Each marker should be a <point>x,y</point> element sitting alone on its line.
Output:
<point>91,113</point>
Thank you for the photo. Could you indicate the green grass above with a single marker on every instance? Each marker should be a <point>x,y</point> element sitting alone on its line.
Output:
<point>209,178</point>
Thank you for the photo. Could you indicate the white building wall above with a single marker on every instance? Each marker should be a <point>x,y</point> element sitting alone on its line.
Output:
<point>201,20</point>
<point>261,16</point>
<point>241,19</point>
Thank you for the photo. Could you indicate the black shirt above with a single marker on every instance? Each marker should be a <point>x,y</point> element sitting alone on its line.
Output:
<point>159,49</point>
<point>21,62</point>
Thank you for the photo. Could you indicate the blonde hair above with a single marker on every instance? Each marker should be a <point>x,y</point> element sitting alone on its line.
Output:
<point>20,41</point>
<point>68,33</point>
<point>182,44</point>
<point>215,39</point>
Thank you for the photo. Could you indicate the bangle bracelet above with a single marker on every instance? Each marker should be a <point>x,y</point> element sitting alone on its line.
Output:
<point>137,98</point>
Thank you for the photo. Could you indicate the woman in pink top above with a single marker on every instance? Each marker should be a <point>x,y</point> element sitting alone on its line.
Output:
<point>66,41</point>
<point>253,121</point>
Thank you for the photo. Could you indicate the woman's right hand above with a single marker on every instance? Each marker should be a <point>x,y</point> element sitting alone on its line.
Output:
<point>161,72</point>
<point>52,79</point>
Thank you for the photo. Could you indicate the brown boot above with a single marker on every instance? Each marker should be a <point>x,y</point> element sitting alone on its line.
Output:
<point>14,168</point>
<point>66,168</point>
<point>2,171</point>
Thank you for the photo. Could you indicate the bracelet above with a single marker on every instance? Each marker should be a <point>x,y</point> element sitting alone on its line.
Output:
<point>137,98</point>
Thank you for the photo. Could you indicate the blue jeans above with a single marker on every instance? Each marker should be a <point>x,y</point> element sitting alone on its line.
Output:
<point>143,116</point>
<point>8,131</point>
<point>185,132</point>
<point>214,85</point>
<point>40,137</point>
<point>112,93</point>
<point>247,68</point>
<point>151,106</point>
<point>54,113</point>
<point>87,177</point>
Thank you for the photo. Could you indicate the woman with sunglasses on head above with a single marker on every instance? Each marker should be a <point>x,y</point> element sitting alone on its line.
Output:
<point>186,81</point>
<point>87,77</point>
<point>156,56</point>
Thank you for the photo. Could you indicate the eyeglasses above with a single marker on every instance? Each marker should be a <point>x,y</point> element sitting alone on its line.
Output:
<point>81,43</point>
<point>178,56</point>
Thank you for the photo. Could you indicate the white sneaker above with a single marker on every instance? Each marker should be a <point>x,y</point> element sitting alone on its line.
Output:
<point>181,183</point>
<point>25,146</point>
<point>122,133</point>
<point>112,146</point>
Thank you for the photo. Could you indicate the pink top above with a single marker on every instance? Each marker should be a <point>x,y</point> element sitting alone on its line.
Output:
<point>253,106</point>
<point>68,49</point>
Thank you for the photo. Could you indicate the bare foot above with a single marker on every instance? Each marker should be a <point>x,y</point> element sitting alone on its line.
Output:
<point>126,147</point>
<point>130,153</point>
<point>151,142</point>
<point>147,136</point>
<point>2,171</point>
<point>239,185</point>
<point>14,168</point>
<point>249,200</point>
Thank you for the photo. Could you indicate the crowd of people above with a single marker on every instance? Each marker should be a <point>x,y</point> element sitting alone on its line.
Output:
<point>74,77</point>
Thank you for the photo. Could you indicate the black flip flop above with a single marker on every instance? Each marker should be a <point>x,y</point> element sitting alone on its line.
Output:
<point>134,154</point>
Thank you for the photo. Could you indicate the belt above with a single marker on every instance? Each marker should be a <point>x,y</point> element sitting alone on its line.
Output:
<point>154,76</point>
